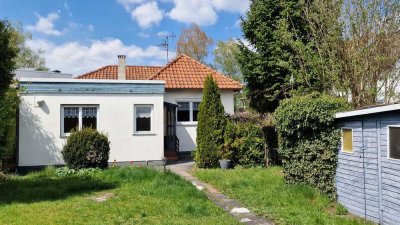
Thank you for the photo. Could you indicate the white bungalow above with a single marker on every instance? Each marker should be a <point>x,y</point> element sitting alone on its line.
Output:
<point>147,112</point>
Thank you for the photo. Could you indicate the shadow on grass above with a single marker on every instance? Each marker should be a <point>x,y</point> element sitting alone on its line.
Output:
<point>20,190</point>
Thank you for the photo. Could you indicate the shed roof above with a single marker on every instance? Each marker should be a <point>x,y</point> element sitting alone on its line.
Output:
<point>367,111</point>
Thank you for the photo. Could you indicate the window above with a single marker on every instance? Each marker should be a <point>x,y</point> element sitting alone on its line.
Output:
<point>347,140</point>
<point>143,117</point>
<point>394,142</point>
<point>187,111</point>
<point>78,117</point>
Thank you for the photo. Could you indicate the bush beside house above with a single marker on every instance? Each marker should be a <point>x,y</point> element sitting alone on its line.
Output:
<point>308,140</point>
<point>86,148</point>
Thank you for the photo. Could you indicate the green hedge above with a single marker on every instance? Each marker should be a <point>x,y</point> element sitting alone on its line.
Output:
<point>86,148</point>
<point>308,139</point>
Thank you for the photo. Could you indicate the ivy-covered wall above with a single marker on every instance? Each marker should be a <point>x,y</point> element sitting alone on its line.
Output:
<point>308,139</point>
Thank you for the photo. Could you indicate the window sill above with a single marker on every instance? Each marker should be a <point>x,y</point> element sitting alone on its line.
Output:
<point>143,133</point>
<point>193,123</point>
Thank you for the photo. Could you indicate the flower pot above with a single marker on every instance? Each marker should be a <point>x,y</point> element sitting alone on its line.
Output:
<point>225,163</point>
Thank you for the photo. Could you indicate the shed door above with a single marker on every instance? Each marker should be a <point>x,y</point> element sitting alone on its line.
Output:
<point>389,165</point>
<point>350,180</point>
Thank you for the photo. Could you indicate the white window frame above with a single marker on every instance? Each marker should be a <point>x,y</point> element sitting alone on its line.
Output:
<point>190,101</point>
<point>352,140</point>
<point>388,141</point>
<point>135,132</point>
<point>79,118</point>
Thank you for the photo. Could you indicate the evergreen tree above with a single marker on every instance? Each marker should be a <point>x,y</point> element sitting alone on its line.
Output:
<point>287,51</point>
<point>8,53</point>
<point>210,127</point>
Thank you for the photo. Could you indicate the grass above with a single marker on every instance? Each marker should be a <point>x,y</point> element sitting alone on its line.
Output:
<point>264,192</point>
<point>138,196</point>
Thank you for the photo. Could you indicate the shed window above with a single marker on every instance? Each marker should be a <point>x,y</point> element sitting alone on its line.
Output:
<point>143,117</point>
<point>347,140</point>
<point>394,142</point>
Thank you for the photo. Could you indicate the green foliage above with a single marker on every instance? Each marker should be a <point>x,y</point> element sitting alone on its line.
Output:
<point>8,52</point>
<point>86,148</point>
<point>225,59</point>
<point>210,127</point>
<point>65,171</point>
<point>245,143</point>
<point>286,55</point>
<point>308,139</point>
<point>8,111</point>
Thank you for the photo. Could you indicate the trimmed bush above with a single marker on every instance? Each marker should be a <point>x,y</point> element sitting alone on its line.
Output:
<point>210,127</point>
<point>308,140</point>
<point>86,148</point>
<point>245,143</point>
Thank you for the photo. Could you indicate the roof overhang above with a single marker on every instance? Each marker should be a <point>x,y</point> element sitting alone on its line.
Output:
<point>361,112</point>
<point>75,86</point>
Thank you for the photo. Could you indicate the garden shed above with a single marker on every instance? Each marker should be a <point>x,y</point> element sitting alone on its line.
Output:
<point>367,175</point>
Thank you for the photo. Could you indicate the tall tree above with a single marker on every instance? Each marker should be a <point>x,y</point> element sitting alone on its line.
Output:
<point>26,58</point>
<point>194,42</point>
<point>274,29</point>
<point>370,50</point>
<point>225,59</point>
<point>8,52</point>
<point>211,124</point>
<point>8,97</point>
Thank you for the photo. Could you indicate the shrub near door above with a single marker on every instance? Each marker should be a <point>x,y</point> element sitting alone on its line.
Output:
<point>86,148</point>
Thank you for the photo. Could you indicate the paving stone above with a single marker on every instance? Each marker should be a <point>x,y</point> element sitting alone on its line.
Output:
<point>239,210</point>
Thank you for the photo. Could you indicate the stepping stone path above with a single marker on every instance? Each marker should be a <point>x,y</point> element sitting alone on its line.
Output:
<point>242,214</point>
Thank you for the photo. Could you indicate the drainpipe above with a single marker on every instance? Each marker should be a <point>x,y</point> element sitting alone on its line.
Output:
<point>363,157</point>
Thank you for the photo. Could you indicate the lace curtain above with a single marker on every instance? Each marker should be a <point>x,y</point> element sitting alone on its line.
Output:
<point>89,112</point>
<point>71,112</point>
<point>143,112</point>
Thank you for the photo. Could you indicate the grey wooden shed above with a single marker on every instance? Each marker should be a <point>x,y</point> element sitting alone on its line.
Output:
<point>368,171</point>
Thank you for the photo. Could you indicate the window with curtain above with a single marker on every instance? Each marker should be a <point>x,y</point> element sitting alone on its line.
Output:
<point>195,110</point>
<point>394,142</point>
<point>143,117</point>
<point>347,140</point>
<point>78,117</point>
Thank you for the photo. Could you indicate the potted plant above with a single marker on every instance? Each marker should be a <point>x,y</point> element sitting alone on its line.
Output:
<point>226,157</point>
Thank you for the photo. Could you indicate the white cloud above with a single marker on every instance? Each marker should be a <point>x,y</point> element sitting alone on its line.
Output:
<point>194,11</point>
<point>147,14</point>
<point>231,5</point>
<point>77,58</point>
<point>45,25</point>
<point>67,9</point>
<point>129,4</point>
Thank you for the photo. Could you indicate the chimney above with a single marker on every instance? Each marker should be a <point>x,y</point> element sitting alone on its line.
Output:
<point>121,67</point>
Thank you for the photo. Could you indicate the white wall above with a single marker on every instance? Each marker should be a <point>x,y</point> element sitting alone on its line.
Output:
<point>40,141</point>
<point>186,131</point>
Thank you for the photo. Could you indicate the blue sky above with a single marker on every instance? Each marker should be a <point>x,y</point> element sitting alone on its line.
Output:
<point>82,35</point>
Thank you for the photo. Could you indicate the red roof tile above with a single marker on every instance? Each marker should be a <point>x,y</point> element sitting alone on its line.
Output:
<point>182,73</point>
<point>132,72</point>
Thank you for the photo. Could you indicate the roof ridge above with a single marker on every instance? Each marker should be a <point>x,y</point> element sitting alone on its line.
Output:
<point>165,67</point>
<point>209,68</point>
<point>93,71</point>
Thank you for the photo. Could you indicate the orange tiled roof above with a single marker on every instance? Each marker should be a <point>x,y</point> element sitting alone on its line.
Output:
<point>185,72</point>
<point>132,72</point>
<point>182,73</point>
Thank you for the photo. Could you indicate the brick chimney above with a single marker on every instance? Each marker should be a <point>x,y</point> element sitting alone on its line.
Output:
<point>121,67</point>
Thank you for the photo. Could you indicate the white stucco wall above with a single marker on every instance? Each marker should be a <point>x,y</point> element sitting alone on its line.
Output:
<point>186,131</point>
<point>40,141</point>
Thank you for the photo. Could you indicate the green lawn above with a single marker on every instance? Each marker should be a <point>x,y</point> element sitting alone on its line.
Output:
<point>138,196</point>
<point>264,192</point>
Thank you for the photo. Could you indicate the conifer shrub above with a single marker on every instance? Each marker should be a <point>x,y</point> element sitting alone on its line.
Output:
<point>309,139</point>
<point>86,148</point>
<point>210,127</point>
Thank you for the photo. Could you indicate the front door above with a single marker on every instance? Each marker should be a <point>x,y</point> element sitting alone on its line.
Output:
<point>170,131</point>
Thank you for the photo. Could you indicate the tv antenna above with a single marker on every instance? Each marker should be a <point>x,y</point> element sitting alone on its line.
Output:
<point>165,44</point>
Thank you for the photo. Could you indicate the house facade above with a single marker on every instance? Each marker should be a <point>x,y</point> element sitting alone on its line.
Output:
<point>148,113</point>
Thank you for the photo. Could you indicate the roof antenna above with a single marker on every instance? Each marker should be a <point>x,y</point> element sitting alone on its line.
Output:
<point>166,36</point>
